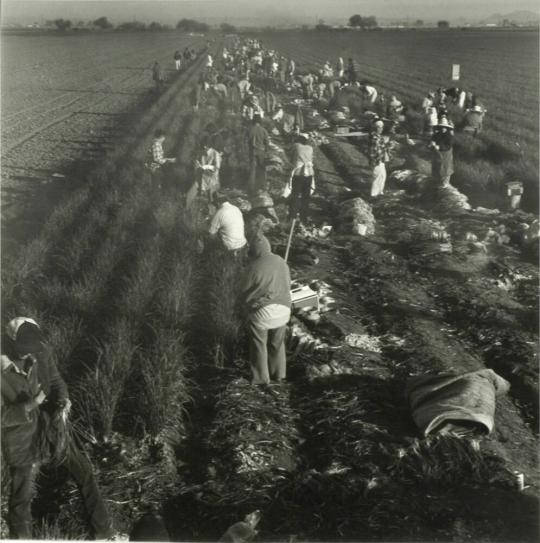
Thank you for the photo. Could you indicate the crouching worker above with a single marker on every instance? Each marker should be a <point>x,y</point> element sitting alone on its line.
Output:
<point>266,300</point>
<point>35,406</point>
<point>228,224</point>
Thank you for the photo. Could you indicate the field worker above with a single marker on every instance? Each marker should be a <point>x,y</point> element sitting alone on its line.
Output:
<point>274,67</point>
<point>266,300</point>
<point>340,68</point>
<point>440,97</point>
<point>177,59</point>
<point>431,120</point>
<point>252,107</point>
<point>209,166</point>
<point>394,110</point>
<point>209,63</point>
<point>461,99</point>
<point>307,85</point>
<point>327,70</point>
<point>302,178</point>
<point>220,89</point>
<point>282,69</point>
<point>442,161</point>
<point>158,160</point>
<point>291,68</point>
<point>320,89</point>
<point>35,408</point>
<point>228,224</point>
<point>452,94</point>
<point>378,156</point>
<point>258,143</point>
<point>244,86</point>
<point>352,74</point>
<point>370,93</point>
<point>158,76</point>
<point>427,102</point>
<point>473,120</point>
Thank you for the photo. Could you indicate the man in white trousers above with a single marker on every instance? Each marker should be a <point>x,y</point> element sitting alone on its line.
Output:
<point>378,156</point>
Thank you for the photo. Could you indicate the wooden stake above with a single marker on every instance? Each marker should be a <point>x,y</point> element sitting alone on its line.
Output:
<point>290,239</point>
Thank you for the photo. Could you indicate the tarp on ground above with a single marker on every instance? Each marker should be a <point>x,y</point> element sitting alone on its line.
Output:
<point>436,400</point>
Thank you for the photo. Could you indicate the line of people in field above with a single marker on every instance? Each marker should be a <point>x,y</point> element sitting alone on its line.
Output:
<point>248,80</point>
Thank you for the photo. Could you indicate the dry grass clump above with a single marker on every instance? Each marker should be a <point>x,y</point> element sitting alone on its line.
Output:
<point>100,390</point>
<point>222,313</point>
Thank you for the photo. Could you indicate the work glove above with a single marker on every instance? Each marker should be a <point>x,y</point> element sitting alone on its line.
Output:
<point>65,408</point>
<point>36,401</point>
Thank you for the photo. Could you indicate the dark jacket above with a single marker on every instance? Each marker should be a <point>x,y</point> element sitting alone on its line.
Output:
<point>258,140</point>
<point>266,279</point>
<point>19,426</point>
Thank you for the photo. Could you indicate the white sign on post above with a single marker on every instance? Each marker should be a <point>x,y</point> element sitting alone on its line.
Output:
<point>455,72</point>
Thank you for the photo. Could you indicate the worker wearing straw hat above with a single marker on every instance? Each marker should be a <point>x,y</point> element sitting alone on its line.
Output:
<point>266,300</point>
<point>442,159</point>
<point>378,156</point>
<point>35,407</point>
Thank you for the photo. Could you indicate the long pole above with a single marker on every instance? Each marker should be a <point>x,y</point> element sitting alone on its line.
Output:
<point>290,239</point>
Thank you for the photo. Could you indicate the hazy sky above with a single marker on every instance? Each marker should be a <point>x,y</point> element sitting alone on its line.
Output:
<point>257,11</point>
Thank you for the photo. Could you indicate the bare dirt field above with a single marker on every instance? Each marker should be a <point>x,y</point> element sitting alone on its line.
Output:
<point>62,100</point>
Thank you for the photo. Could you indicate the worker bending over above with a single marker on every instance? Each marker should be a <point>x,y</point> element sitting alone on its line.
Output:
<point>228,224</point>
<point>266,302</point>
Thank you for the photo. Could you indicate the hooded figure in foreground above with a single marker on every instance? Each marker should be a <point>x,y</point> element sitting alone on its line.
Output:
<point>35,407</point>
<point>266,300</point>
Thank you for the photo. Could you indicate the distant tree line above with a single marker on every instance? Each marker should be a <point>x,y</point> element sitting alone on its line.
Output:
<point>189,25</point>
<point>102,23</point>
<point>358,21</point>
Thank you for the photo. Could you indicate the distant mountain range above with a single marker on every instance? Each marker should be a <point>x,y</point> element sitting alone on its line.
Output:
<point>518,17</point>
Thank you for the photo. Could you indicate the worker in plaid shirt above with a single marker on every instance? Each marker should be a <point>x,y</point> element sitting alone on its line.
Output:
<point>158,158</point>
<point>378,155</point>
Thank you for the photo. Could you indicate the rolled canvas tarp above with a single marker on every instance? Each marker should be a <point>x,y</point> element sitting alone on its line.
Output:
<point>449,398</point>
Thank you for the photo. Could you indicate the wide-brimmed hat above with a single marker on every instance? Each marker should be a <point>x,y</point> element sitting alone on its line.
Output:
<point>394,101</point>
<point>378,122</point>
<point>445,123</point>
<point>304,136</point>
<point>478,109</point>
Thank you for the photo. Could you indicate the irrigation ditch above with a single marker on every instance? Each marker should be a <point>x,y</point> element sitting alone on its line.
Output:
<point>143,325</point>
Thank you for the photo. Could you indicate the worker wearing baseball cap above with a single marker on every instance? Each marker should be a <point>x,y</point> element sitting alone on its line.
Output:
<point>35,408</point>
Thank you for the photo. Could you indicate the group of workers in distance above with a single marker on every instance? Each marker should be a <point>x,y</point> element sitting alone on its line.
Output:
<point>247,80</point>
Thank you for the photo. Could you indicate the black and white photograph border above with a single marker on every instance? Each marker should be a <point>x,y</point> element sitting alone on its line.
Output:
<point>269,270</point>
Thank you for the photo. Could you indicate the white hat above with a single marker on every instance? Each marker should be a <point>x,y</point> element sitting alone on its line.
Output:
<point>444,122</point>
<point>478,109</point>
<point>378,122</point>
<point>12,327</point>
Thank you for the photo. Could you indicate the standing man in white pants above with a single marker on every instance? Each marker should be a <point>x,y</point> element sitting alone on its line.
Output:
<point>378,156</point>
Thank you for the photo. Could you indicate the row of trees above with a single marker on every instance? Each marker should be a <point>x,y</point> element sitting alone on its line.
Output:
<point>370,22</point>
<point>102,23</point>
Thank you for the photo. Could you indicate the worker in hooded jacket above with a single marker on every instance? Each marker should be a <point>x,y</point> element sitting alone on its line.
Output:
<point>266,302</point>
<point>35,406</point>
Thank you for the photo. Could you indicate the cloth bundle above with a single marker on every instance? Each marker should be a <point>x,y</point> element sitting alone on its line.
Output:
<point>457,401</point>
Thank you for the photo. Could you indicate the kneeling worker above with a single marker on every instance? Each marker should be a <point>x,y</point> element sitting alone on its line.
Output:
<point>228,224</point>
<point>266,299</point>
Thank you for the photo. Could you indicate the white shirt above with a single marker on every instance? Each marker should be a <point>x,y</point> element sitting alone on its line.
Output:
<point>228,222</point>
<point>271,316</point>
<point>371,93</point>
